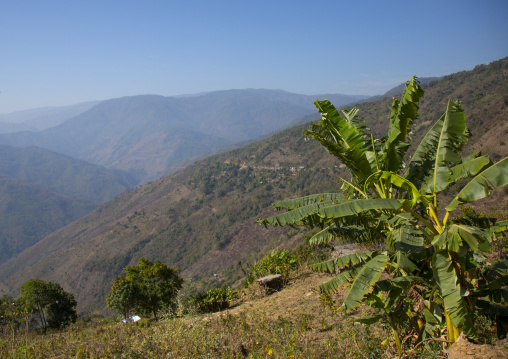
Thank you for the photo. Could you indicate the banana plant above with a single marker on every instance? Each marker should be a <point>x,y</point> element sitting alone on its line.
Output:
<point>399,203</point>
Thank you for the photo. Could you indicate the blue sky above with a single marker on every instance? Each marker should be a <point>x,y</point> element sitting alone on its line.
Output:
<point>55,53</point>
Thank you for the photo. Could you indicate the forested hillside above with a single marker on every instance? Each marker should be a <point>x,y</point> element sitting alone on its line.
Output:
<point>201,218</point>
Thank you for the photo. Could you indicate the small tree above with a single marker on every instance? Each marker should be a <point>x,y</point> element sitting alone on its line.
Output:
<point>54,307</point>
<point>35,298</point>
<point>123,296</point>
<point>156,286</point>
<point>6,309</point>
<point>62,307</point>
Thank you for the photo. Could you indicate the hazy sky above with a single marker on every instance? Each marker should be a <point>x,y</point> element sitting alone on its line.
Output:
<point>55,53</point>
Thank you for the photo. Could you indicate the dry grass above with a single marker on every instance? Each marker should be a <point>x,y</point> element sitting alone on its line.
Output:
<point>292,323</point>
<point>296,322</point>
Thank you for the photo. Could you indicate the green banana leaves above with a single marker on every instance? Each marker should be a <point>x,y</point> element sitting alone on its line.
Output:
<point>480,186</point>
<point>441,257</point>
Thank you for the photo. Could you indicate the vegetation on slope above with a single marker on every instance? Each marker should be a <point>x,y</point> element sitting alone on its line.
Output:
<point>296,322</point>
<point>201,218</point>
<point>63,174</point>
<point>29,212</point>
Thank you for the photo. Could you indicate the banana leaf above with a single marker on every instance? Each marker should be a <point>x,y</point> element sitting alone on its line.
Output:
<point>342,138</point>
<point>291,204</point>
<point>480,186</point>
<point>352,233</point>
<point>350,259</point>
<point>499,227</point>
<point>403,113</point>
<point>369,320</point>
<point>357,206</point>
<point>454,236</point>
<point>469,168</point>
<point>385,178</point>
<point>297,216</point>
<point>365,233</point>
<point>340,279</point>
<point>323,236</point>
<point>452,292</point>
<point>439,148</point>
<point>365,279</point>
<point>406,238</point>
<point>466,169</point>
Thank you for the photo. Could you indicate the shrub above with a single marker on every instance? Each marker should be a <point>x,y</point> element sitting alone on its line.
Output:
<point>212,300</point>
<point>275,262</point>
<point>306,253</point>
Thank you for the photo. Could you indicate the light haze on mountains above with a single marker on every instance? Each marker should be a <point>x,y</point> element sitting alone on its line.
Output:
<point>60,53</point>
<point>146,136</point>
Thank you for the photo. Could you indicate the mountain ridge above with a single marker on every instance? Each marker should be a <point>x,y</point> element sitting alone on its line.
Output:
<point>38,119</point>
<point>128,133</point>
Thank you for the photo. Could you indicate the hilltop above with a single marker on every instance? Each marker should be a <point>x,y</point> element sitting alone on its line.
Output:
<point>39,119</point>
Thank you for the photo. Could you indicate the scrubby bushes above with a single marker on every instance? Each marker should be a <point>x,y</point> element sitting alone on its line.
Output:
<point>275,262</point>
<point>212,300</point>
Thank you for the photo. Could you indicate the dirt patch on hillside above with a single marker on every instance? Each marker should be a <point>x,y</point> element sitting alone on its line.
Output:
<point>467,350</point>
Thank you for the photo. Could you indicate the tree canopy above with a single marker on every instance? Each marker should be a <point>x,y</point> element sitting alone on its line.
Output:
<point>53,307</point>
<point>146,288</point>
<point>123,296</point>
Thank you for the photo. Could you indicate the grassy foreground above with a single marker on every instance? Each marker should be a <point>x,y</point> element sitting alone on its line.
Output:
<point>292,323</point>
<point>296,322</point>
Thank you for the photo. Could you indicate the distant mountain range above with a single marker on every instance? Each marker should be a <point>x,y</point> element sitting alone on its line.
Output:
<point>147,135</point>
<point>201,219</point>
<point>41,118</point>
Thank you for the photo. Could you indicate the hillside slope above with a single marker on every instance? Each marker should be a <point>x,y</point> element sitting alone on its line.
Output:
<point>43,191</point>
<point>63,174</point>
<point>201,219</point>
<point>202,215</point>
<point>30,212</point>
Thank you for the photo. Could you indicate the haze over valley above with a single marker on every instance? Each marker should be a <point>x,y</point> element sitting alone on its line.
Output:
<point>148,136</point>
